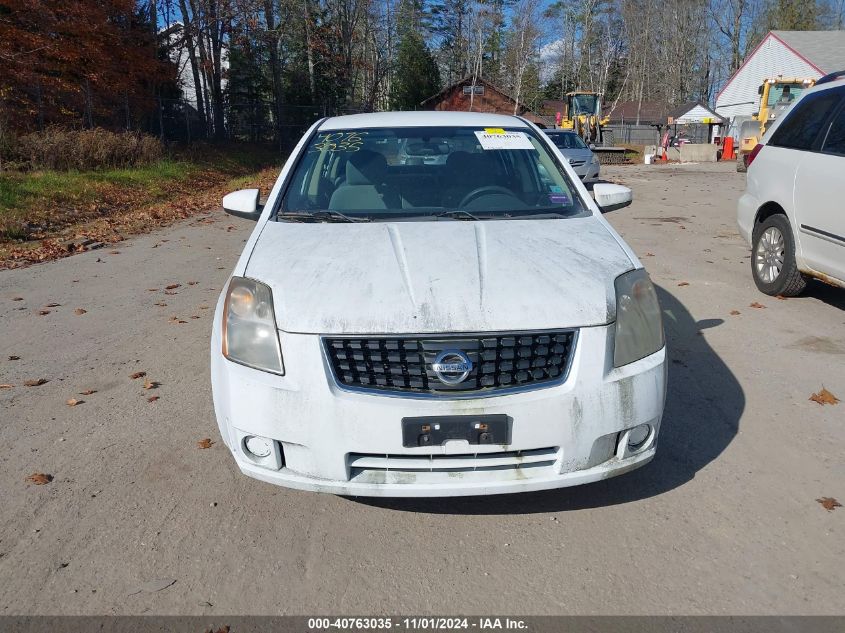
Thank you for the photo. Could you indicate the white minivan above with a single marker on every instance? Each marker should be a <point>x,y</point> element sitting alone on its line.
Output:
<point>460,326</point>
<point>793,210</point>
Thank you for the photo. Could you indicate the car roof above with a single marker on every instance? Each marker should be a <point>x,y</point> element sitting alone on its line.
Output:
<point>561,132</point>
<point>428,118</point>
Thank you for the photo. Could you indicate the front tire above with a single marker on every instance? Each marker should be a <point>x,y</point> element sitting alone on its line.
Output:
<point>773,263</point>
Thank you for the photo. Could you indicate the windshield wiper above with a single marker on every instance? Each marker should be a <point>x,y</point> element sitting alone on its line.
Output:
<point>323,215</point>
<point>457,214</point>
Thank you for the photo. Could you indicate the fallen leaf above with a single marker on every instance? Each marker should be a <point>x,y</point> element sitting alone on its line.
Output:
<point>6,386</point>
<point>172,286</point>
<point>53,305</point>
<point>193,283</point>
<point>17,298</point>
<point>757,305</point>
<point>161,304</point>
<point>684,283</point>
<point>114,252</point>
<point>735,312</point>
<point>780,297</point>
<point>152,289</point>
<point>73,402</point>
<point>88,392</point>
<point>80,311</point>
<point>137,374</point>
<point>14,357</point>
<point>649,254</point>
<point>152,398</point>
<point>829,503</point>
<point>824,397</point>
<point>35,383</point>
<point>206,443</point>
<point>43,312</point>
<point>150,384</point>
<point>170,292</point>
<point>194,316</point>
<point>39,479</point>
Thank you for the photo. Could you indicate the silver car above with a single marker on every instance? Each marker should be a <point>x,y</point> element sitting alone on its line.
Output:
<point>584,162</point>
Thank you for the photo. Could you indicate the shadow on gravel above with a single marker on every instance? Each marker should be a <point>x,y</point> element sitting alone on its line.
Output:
<point>703,406</point>
<point>831,295</point>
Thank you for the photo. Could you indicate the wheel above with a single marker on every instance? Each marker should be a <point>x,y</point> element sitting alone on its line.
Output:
<point>773,258</point>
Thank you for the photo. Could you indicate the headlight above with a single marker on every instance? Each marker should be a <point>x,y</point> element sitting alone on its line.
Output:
<point>639,325</point>
<point>249,326</point>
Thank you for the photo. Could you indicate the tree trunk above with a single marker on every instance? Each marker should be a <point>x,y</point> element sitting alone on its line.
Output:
<point>188,32</point>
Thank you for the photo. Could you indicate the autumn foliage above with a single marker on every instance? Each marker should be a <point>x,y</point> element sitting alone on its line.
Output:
<point>82,63</point>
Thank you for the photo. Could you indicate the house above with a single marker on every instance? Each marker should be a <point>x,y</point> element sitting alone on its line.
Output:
<point>800,54</point>
<point>699,122</point>
<point>639,113</point>
<point>479,95</point>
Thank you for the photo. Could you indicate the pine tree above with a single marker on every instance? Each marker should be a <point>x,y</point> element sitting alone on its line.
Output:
<point>416,76</point>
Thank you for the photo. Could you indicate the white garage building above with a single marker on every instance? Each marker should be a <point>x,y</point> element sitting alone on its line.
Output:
<point>802,54</point>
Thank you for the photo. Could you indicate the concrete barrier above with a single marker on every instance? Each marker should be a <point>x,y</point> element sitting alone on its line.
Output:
<point>698,153</point>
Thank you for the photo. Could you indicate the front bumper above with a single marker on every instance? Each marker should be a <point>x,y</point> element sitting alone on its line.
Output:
<point>350,443</point>
<point>588,172</point>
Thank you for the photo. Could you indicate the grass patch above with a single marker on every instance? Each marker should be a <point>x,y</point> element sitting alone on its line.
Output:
<point>40,204</point>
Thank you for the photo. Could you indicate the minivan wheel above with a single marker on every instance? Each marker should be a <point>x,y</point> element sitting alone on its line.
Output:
<point>773,258</point>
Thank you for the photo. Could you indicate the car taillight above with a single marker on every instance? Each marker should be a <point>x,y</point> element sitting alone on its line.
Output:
<point>754,153</point>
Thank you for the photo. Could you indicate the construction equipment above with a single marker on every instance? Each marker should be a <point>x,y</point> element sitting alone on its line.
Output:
<point>776,95</point>
<point>583,114</point>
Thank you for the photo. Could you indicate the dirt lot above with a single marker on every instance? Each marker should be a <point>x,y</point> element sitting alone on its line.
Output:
<point>138,519</point>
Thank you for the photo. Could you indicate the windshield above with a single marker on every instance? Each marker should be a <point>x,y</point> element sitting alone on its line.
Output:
<point>428,173</point>
<point>584,103</point>
<point>567,140</point>
<point>784,94</point>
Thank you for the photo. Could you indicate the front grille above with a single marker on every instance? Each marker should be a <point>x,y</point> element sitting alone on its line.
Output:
<point>466,462</point>
<point>499,361</point>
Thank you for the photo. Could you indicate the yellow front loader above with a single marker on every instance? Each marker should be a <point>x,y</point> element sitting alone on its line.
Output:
<point>583,114</point>
<point>776,95</point>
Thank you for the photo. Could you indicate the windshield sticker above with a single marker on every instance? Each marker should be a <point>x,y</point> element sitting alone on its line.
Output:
<point>559,198</point>
<point>339,142</point>
<point>493,130</point>
<point>507,140</point>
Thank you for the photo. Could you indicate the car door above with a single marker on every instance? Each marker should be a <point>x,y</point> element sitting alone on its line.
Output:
<point>820,197</point>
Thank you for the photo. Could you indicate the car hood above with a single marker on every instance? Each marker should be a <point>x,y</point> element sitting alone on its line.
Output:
<point>577,154</point>
<point>446,276</point>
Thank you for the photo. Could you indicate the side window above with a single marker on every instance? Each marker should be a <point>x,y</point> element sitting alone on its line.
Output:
<point>805,121</point>
<point>835,141</point>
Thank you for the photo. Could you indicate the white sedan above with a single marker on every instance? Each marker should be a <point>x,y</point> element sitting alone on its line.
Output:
<point>465,326</point>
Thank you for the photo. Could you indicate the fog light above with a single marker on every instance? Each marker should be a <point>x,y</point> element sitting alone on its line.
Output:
<point>638,436</point>
<point>258,446</point>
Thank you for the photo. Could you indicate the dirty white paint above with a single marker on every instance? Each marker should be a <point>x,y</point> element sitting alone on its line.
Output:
<point>424,277</point>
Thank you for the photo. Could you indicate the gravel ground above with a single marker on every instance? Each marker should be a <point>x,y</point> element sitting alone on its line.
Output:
<point>138,519</point>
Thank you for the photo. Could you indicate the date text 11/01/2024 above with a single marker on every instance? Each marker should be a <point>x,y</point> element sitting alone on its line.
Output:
<point>417,623</point>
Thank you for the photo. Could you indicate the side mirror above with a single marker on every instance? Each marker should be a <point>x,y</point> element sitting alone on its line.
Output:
<point>610,197</point>
<point>243,204</point>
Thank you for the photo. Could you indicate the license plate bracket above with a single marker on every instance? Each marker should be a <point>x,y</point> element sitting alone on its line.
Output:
<point>434,430</point>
